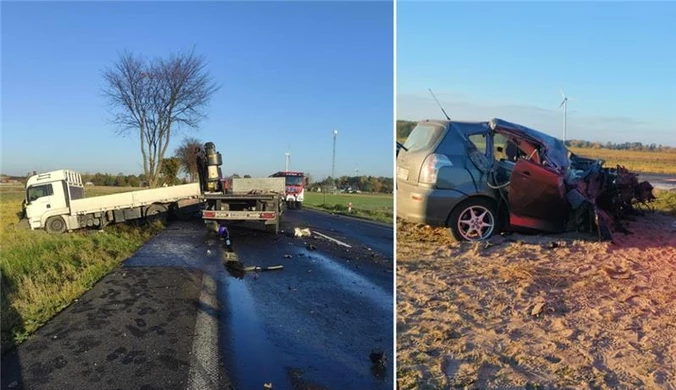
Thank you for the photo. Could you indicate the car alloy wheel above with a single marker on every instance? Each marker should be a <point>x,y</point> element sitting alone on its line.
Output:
<point>476,222</point>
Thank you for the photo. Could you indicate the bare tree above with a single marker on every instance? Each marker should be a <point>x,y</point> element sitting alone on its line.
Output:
<point>187,154</point>
<point>157,97</point>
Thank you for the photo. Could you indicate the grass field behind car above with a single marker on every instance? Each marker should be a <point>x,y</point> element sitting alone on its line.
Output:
<point>634,160</point>
<point>43,273</point>
<point>665,202</point>
<point>377,207</point>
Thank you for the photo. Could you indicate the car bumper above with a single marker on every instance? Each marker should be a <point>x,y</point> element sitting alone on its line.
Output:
<point>426,205</point>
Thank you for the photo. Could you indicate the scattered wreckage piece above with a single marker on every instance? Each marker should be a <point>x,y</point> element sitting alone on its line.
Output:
<point>298,232</point>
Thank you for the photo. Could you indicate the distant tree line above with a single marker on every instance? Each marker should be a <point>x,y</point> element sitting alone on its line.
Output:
<point>620,146</point>
<point>405,127</point>
<point>357,183</point>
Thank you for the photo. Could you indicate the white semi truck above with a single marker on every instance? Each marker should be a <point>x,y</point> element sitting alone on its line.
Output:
<point>55,201</point>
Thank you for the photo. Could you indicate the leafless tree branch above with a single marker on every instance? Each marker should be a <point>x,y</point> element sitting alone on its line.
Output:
<point>156,98</point>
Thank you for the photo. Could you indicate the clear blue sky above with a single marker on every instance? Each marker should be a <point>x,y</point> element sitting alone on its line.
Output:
<point>510,60</point>
<point>291,73</point>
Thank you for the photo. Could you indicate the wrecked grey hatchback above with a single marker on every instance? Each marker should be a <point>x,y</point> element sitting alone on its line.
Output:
<point>479,178</point>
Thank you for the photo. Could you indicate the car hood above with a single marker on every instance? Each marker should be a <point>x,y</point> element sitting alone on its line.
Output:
<point>555,152</point>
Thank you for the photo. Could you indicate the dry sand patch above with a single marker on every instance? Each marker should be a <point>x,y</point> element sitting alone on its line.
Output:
<point>552,311</point>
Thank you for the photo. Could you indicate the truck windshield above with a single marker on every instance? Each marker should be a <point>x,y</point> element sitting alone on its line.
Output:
<point>35,192</point>
<point>294,180</point>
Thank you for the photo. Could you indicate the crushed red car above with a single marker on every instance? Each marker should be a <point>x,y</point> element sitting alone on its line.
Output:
<point>478,178</point>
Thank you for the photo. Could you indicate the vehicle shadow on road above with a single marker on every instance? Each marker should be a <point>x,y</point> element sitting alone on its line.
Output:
<point>11,324</point>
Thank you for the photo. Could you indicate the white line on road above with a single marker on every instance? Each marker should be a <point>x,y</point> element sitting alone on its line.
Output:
<point>332,239</point>
<point>204,360</point>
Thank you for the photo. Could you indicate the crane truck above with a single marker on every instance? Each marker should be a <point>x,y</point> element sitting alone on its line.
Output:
<point>55,201</point>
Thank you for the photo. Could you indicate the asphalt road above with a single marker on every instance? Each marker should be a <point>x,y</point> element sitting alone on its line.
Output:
<point>174,316</point>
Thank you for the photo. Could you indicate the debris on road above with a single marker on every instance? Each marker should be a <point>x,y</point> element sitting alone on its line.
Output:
<point>267,386</point>
<point>311,247</point>
<point>379,364</point>
<point>298,232</point>
<point>377,356</point>
<point>230,256</point>
<point>238,270</point>
<point>287,256</point>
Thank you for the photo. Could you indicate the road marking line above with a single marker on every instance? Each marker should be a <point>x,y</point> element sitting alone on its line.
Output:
<point>332,239</point>
<point>204,360</point>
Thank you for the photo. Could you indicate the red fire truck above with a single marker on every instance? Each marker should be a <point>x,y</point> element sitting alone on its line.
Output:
<point>295,188</point>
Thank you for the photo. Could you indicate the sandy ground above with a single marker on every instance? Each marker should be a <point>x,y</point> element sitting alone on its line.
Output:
<point>558,311</point>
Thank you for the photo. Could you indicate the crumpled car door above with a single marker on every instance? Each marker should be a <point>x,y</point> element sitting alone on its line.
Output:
<point>536,198</point>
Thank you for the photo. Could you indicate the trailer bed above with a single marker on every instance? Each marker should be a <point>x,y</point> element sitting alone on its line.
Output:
<point>135,199</point>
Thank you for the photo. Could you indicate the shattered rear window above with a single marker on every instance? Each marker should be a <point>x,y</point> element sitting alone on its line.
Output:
<point>422,137</point>
<point>479,140</point>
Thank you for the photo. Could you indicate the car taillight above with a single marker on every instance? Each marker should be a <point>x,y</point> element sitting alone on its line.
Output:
<point>431,166</point>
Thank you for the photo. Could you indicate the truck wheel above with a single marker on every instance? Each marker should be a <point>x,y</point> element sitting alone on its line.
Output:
<point>473,220</point>
<point>289,204</point>
<point>55,225</point>
<point>156,212</point>
<point>299,205</point>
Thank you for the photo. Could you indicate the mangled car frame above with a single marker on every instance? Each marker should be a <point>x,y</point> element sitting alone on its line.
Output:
<point>479,178</point>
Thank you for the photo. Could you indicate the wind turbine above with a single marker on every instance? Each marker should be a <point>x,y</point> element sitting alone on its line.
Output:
<point>288,160</point>
<point>564,104</point>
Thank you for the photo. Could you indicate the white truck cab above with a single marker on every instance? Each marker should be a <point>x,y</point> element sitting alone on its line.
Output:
<point>50,194</point>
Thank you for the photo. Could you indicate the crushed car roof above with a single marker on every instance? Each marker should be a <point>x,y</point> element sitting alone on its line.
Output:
<point>557,152</point>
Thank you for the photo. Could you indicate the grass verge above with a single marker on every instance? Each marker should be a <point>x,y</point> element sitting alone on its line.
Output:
<point>42,273</point>
<point>375,207</point>
<point>666,201</point>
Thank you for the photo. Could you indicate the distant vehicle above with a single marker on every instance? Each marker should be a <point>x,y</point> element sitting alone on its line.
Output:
<point>478,178</point>
<point>295,188</point>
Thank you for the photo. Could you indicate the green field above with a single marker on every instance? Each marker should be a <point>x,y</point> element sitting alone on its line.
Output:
<point>42,273</point>
<point>377,207</point>
<point>666,201</point>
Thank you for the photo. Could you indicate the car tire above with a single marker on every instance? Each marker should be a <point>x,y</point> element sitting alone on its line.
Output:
<point>55,225</point>
<point>474,219</point>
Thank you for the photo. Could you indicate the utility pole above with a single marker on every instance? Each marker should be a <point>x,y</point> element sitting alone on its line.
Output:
<point>333,167</point>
